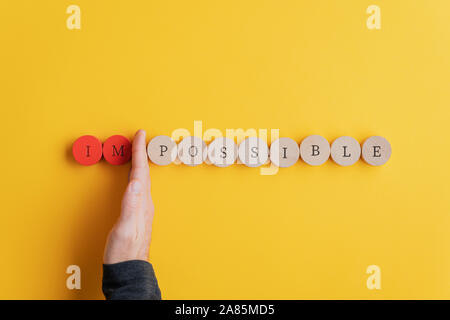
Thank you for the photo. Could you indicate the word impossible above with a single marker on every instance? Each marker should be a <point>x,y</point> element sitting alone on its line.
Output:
<point>223,152</point>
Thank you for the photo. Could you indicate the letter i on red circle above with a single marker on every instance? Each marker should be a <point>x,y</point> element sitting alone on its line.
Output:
<point>117,150</point>
<point>87,150</point>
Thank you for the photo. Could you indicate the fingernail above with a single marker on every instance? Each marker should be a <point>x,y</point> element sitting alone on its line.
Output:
<point>136,186</point>
<point>143,132</point>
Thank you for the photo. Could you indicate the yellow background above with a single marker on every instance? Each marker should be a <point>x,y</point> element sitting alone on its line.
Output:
<point>305,67</point>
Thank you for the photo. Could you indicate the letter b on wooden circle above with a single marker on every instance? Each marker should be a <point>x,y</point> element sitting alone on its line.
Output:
<point>315,150</point>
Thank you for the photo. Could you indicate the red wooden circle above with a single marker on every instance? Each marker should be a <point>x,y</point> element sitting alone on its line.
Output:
<point>87,150</point>
<point>117,150</point>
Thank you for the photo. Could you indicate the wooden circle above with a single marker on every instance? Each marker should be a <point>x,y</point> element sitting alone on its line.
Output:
<point>315,150</point>
<point>222,152</point>
<point>345,151</point>
<point>192,151</point>
<point>162,150</point>
<point>284,152</point>
<point>253,152</point>
<point>87,150</point>
<point>376,150</point>
<point>117,150</point>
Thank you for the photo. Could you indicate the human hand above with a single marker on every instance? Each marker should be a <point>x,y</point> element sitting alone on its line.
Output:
<point>130,237</point>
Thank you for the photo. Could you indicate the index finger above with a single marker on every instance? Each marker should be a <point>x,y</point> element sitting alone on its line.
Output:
<point>139,161</point>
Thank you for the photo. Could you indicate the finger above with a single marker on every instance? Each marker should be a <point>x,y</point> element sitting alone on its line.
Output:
<point>139,161</point>
<point>132,199</point>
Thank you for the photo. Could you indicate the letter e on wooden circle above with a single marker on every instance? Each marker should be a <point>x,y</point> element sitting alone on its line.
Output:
<point>376,150</point>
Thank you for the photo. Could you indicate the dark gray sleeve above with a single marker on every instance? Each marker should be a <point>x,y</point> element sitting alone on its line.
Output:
<point>130,280</point>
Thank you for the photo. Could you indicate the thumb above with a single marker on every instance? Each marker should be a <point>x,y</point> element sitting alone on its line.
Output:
<point>132,199</point>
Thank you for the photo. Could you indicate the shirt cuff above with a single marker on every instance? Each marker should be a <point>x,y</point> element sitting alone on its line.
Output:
<point>130,280</point>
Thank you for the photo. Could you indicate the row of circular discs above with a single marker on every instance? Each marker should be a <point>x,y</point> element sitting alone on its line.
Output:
<point>223,152</point>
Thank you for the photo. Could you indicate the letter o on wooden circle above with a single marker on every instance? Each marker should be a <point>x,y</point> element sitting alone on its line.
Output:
<point>192,151</point>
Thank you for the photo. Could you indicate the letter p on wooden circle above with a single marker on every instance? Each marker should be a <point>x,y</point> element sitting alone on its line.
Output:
<point>162,150</point>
